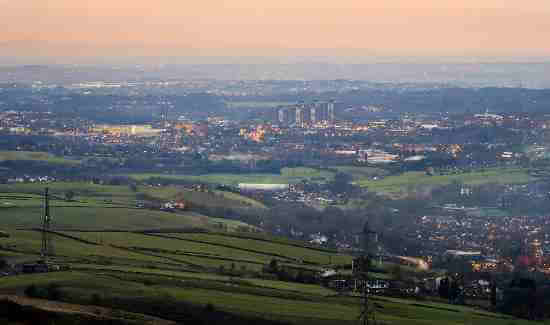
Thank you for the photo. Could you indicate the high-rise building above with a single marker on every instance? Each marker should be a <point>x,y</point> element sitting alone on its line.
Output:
<point>282,116</point>
<point>313,114</point>
<point>535,252</point>
<point>330,112</point>
<point>300,121</point>
<point>303,115</point>
<point>322,111</point>
<point>286,115</point>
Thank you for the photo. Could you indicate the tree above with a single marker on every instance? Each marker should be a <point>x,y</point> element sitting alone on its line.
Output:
<point>273,265</point>
<point>96,299</point>
<point>430,171</point>
<point>397,273</point>
<point>444,288</point>
<point>69,195</point>
<point>341,183</point>
<point>32,291</point>
<point>53,292</point>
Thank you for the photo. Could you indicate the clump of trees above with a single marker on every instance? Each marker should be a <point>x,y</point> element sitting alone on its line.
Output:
<point>284,273</point>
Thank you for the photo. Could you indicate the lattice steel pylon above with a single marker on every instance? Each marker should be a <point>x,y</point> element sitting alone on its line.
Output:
<point>367,314</point>
<point>47,244</point>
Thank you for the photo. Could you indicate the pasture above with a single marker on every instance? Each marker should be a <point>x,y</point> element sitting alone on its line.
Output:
<point>137,290</point>
<point>287,176</point>
<point>104,207</point>
<point>36,156</point>
<point>397,183</point>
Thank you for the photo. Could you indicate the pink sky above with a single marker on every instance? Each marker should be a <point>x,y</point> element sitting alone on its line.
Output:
<point>274,27</point>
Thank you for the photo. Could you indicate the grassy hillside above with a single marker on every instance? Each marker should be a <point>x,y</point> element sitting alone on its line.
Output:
<point>361,173</point>
<point>287,176</point>
<point>160,274</point>
<point>36,156</point>
<point>219,199</point>
<point>297,304</point>
<point>272,248</point>
<point>182,275</point>
<point>242,199</point>
<point>15,310</point>
<point>89,192</point>
<point>198,251</point>
<point>109,207</point>
<point>392,184</point>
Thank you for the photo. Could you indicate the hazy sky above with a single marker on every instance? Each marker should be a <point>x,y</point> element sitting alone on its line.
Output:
<point>274,27</point>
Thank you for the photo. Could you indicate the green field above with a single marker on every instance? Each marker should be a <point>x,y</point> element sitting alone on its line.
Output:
<point>141,273</point>
<point>394,184</point>
<point>293,252</point>
<point>219,199</point>
<point>149,273</point>
<point>269,299</point>
<point>92,214</point>
<point>28,243</point>
<point>360,173</point>
<point>361,176</point>
<point>36,156</point>
<point>200,251</point>
<point>105,207</point>
<point>287,176</point>
<point>85,191</point>
<point>173,246</point>
<point>102,218</point>
<point>241,198</point>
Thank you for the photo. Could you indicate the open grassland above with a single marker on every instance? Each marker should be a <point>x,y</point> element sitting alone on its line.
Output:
<point>153,273</point>
<point>200,252</point>
<point>241,198</point>
<point>287,176</point>
<point>361,173</point>
<point>102,218</point>
<point>229,179</point>
<point>306,172</point>
<point>215,250</point>
<point>304,254</point>
<point>66,249</point>
<point>89,192</point>
<point>173,246</point>
<point>218,199</point>
<point>273,284</point>
<point>143,273</point>
<point>36,156</point>
<point>296,304</point>
<point>104,207</point>
<point>394,184</point>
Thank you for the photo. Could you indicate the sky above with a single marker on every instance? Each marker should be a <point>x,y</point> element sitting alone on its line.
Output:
<point>120,28</point>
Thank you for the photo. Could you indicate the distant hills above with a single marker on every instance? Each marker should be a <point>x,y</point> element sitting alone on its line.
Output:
<point>483,72</point>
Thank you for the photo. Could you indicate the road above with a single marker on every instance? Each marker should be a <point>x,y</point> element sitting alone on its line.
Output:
<point>420,263</point>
